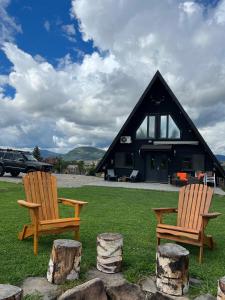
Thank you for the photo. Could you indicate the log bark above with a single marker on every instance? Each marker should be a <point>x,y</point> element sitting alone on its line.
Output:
<point>221,289</point>
<point>172,275</point>
<point>64,263</point>
<point>10,292</point>
<point>109,252</point>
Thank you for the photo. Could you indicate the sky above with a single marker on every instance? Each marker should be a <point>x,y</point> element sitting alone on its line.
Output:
<point>71,71</point>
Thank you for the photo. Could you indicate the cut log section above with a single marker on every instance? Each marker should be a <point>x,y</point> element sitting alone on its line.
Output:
<point>172,269</point>
<point>221,289</point>
<point>64,263</point>
<point>109,252</point>
<point>10,292</point>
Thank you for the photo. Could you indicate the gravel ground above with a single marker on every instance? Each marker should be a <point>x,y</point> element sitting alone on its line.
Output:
<point>69,180</point>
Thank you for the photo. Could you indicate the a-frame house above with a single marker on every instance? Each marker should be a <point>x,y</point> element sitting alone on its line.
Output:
<point>159,139</point>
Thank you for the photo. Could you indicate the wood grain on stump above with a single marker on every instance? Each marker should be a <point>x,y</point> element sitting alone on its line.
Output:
<point>109,252</point>
<point>10,292</point>
<point>172,269</point>
<point>221,289</point>
<point>64,263</point>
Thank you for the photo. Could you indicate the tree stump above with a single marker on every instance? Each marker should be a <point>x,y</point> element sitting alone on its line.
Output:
<point>109,252</point>
<point>221,289</point>
<point>10,292</point>
<point>172,269</point>
<point>64,263</point>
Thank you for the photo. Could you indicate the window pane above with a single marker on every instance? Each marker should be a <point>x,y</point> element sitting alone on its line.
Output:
<point>142,130</point>
<point>163,126</point>
<point>124,160</point>
<point>8,156</point>
<point>152,163</point>
<point>174,132</point>
<point>163,163</point>
<point>129,160</point>
<point>151,127</point>
<point>17,156</point>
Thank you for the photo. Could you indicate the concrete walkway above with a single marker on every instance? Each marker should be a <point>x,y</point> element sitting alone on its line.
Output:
<point>70,181</point>
<point>146,186</point>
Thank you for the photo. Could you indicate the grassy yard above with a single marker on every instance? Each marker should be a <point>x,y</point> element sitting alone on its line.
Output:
<point>127,211</point>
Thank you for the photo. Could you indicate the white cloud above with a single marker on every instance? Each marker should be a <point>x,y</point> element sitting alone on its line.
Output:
<point>86,103</point>
<point>47,25</point>
<point>8,25</point>
<point>69,32</point>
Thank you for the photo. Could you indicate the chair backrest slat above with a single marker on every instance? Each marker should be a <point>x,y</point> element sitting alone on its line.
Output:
<point>180,205</point>
<point>194,205</point>
<point>190,205</point>
<point>111,172</point>
<point>40,187</point>
<point>134,173</point>
<point>184,207</point>
<point>194,199</point>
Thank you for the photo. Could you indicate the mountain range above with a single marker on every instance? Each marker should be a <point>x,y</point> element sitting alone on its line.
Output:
<point>89,153</point>
<point>79,153</point>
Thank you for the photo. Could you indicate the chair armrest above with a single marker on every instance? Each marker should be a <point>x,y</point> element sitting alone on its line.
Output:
<point>71,202</point>
<point>211,215</point>
<point>165,210</point>
<point>28,204</point>
<point>160,211</point>
<point>75,203</point>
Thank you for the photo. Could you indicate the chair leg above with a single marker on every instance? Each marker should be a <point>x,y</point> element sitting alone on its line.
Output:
<point>208,240</point>
<point>36,234</point>
<point>22,234</point>
<point>35,243</point>
<point>77,234</point>
<point>201,253</point>
<point>158,241</point>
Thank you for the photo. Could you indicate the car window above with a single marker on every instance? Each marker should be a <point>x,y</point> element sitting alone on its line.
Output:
<point>1,154</point>
<point>8,155</point>
<point>30,157</point>
<point>17,156</point>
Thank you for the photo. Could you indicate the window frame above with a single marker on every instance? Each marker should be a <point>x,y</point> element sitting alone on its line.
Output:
<point>155,129</point>
<point>167,127</point>
<point>157,135</point>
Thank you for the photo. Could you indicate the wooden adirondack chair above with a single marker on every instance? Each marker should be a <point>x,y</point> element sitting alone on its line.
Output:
<point>42,202</point>
<point>192,218</point>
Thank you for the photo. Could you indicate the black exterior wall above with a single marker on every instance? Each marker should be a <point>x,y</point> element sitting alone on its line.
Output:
<point>158,99</point>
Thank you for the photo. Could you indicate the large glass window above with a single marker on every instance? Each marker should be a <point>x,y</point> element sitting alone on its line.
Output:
<point>168,128</point>
<point>147,128</point>
<point>174,132</point>
<point>158,126</point>
<point>124,160</point>
<point>163,127</point>
<point>151,126</point>
<point>142,132</point>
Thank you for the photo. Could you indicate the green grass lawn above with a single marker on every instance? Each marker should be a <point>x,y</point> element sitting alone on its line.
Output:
<point>127,211</point>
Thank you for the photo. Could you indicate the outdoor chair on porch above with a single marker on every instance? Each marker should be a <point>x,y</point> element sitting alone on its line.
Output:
<point>192,218</point>
<point>111,175</point>
<point>210,178</point>
<point>42,202</point>
<point>133,176</point>
<point>180,179</point>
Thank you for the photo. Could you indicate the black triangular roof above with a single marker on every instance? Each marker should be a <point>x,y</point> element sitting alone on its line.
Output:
<point>191,124</point>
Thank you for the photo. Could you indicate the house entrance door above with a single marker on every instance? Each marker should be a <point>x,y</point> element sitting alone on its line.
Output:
<point>156,167</point>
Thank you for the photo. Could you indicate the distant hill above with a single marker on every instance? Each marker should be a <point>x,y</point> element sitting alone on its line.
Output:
<point>84,153</point>
<point>46,153</point>
<point>220,157</point>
